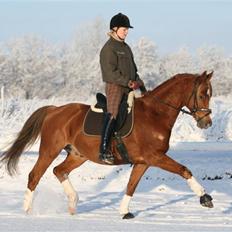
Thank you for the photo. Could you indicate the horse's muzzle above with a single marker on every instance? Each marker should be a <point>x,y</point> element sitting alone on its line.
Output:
<point>204,123</point>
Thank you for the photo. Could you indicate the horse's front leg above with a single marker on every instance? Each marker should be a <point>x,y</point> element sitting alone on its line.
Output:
<point>135,176</point>
<point>165,162</point>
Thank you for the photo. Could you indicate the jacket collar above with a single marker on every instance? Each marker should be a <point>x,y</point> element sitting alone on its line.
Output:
<point>112,35</point>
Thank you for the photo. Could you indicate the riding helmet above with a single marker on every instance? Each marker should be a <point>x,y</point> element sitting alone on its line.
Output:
<point>120,20</point>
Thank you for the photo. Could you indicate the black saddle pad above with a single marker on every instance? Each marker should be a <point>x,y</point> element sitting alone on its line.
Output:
<point>93,123</point>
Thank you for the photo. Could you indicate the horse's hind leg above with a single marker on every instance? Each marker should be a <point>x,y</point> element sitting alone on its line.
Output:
<point>62,171</point>
<point>168,164</point>
<point>136,174</point>
<point>46,156</point>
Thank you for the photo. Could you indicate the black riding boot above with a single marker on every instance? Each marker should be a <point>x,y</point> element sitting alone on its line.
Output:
<point>107,131</point>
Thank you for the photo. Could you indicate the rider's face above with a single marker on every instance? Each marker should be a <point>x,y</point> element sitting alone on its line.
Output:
<point>122,32</point>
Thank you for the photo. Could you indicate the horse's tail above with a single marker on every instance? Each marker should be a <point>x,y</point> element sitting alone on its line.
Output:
<point>26,137</point>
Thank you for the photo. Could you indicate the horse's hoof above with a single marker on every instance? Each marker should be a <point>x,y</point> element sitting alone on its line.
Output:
<point>128,216</point>
<point>27,209</point>
<point>206,201</point>
<point>72,211</point>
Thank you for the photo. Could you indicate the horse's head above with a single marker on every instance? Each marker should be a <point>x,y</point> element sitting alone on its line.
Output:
<point>198,102</point>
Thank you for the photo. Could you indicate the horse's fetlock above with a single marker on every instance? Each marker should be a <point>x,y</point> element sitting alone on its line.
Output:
<point>32,181</point>
<point>186,173</point>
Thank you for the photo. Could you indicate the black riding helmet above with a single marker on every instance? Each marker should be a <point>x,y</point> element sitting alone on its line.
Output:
<point>120,20</point>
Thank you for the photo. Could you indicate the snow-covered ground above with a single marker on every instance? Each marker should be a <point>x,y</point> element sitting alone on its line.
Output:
<point>162,201</point>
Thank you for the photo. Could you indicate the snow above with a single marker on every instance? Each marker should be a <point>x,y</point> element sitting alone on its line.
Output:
<point>31,66</point>
<point>162,201</point>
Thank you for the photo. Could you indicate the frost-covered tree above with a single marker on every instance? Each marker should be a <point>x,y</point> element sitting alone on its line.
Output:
<point>179,62</point>
<point>213,58</point>
<point>82,58</point>
<point>147,61</point>
<point>32,67</point>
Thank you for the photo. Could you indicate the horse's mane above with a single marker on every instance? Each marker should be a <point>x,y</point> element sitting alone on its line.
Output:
<point>173,80</point>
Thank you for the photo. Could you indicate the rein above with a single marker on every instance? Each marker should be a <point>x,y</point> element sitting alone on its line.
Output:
<point>195,106</point>
<point>173,107</point>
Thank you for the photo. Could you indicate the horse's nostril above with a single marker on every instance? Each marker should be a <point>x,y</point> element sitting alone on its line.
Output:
<point>209,124</point>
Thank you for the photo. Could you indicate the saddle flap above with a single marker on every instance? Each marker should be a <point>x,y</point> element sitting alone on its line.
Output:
<point>124,121</point>
<point>92,124</point>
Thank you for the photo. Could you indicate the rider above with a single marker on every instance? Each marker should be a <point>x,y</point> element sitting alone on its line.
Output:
<point>119,72</point>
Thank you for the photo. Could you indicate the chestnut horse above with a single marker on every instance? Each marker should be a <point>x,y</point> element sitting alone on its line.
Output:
<point>154,117</point>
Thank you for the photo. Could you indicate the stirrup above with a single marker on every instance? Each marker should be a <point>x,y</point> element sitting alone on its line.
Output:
<point>107,157</point>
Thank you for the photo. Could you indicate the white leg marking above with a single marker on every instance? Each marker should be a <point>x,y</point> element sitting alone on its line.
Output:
<point>72,196</point>
<point>196,187</point>
<point>28,197</point>
<point>124,206</point>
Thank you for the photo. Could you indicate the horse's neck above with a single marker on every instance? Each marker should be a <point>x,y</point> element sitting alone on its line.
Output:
<point>172,92</point>
<point>169,99</point>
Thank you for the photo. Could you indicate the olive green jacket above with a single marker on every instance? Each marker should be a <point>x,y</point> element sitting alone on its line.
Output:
<point>117,63</point>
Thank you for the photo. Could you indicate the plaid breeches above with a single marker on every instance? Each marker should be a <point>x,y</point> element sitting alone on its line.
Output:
<point>114,95</point>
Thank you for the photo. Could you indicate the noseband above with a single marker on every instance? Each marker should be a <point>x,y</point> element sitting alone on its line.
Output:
<point>195,109</point>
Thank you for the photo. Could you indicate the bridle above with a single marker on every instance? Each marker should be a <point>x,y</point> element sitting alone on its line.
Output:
<point>195,108</point>
<point>195,102</point>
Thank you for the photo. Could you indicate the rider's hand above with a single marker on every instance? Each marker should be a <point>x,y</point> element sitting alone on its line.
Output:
<point>134,84</point>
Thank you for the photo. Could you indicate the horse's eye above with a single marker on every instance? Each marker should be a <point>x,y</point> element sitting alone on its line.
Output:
<point>201,97</point>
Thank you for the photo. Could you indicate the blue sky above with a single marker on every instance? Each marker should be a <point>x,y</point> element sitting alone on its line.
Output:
<point>171,24</point>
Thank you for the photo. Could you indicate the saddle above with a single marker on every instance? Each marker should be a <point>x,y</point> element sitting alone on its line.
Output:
<point>92,125</point>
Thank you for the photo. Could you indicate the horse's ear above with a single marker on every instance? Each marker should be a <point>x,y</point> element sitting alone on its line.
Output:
<point>204,73</point>
<point>209,76</point>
